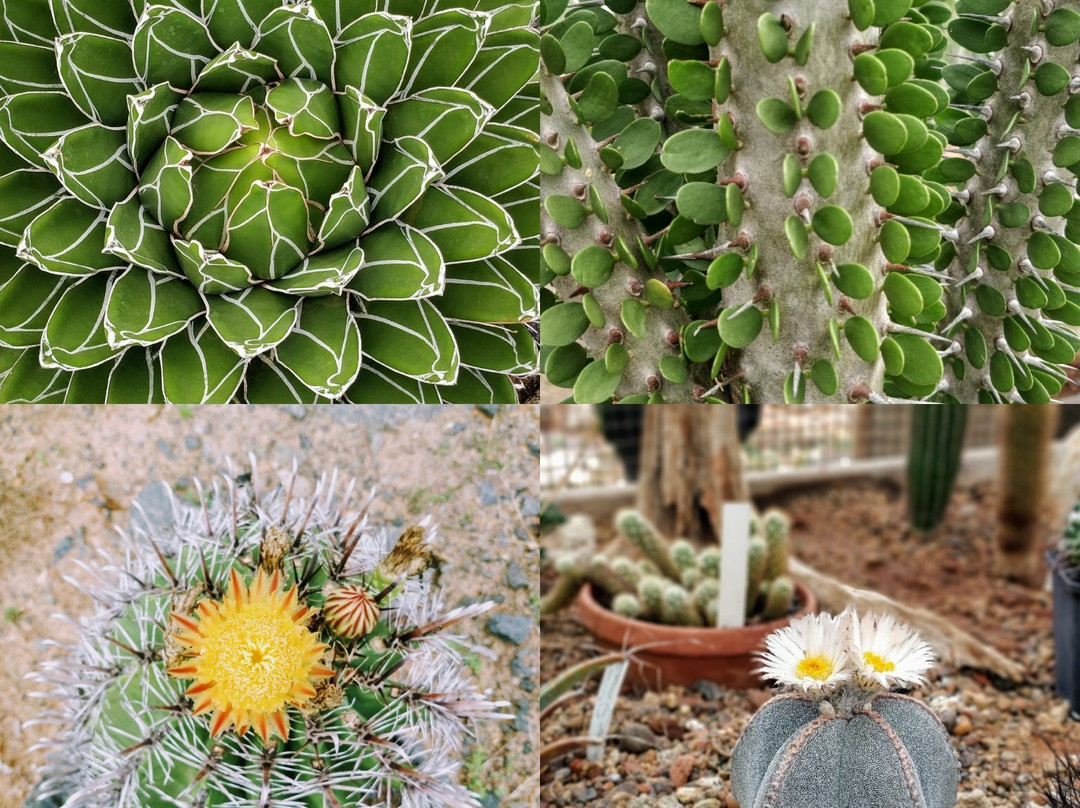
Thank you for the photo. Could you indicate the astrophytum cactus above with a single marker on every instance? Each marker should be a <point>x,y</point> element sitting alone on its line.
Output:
<point>266,201</point>
<point>265,650</point>
<point>836,200</point>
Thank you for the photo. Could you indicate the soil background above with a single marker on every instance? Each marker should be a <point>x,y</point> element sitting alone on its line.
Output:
<point>69,475</point>
<point>672,748</point>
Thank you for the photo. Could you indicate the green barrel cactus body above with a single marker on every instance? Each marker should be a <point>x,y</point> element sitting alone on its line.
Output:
<point>937,440</point>
<point>893,753</point>
<point>207,201</point>
<point>394,699</point>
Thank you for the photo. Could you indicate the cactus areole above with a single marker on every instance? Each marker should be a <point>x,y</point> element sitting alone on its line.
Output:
<point>838,738</point>
<point>204,201</point>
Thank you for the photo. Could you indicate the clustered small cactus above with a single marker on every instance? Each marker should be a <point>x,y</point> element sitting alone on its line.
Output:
<point>265,650</point>
<point>677,584</point>
<point>838,200</point>
<point>838,737</point>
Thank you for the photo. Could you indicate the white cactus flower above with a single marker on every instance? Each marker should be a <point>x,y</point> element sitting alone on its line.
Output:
<point>809,654</point>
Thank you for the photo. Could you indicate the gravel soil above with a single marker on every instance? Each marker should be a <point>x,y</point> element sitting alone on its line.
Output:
<point>68,476</point>
<point>672,748</point>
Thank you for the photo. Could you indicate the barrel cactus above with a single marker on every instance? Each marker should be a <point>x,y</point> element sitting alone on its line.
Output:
<point>266,200</point>
<point>839,737</point>
<point>827,201</point>
<point>266,650</point>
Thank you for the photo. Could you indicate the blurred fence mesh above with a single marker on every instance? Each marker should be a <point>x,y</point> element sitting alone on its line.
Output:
<point>576,454</point>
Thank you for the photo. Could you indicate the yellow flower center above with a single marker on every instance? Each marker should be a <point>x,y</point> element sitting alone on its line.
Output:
<point>815,667</point>
<point>877,663</point>
<point>251,656</point>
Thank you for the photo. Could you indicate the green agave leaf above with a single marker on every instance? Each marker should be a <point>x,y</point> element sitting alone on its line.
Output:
<point>150,116</point>
<point>411,337</point>
<point>323,351</point>
<point>505,64</point>
<point>208,123</point>
<point>496,348</point>
<point>464,225</point>
<point>268,382</point>
<point>405,171</point>
<point>132,235</point>
<point>99,75</point>
<point>134,379</point>
<point>171,45</point>
<point>361,127</point>
<point>443,46</point>
<point>478,387</point>
<point>306,107</point>
<point>300,42</point>
<point>252,321</point>
<point>27,68</point>
<point>347,214</point>
<point>30,122</point>
<point>30,22</point>
<point>236,21</point>
<point>521,204</point>
<point>145,308</point>
<point>165,190</point>
<point>378,385</point>
<point>75,336</point>
<point>500,158</point>
<point>372,55</point>
<point>92,164</point>
<point>401,263</point>
<point>68,239</point>
<point>448,119</point>
<point>27,298</point>
<point>116,20</point>
<point>490,291</point>
<point>268,231</point>
<point>324,273</point>
<point>197,367</point>
<point>24,195</point>
<point>338,14</point>
<point>237,70</point>
<point>210,271</point>
<point>27,382</point>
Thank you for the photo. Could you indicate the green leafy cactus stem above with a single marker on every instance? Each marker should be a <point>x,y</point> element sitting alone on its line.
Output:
<point>839,736</point>
<point>204,201</point>
<point>827,201</point>
<point>266,650</point>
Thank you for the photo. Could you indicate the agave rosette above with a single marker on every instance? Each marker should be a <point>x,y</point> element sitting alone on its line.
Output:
<point>265,201</point>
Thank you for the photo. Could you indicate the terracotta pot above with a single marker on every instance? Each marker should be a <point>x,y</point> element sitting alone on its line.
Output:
<point>678,655</point>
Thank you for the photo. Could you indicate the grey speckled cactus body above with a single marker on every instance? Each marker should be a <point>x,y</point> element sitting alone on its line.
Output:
<point>810,201</point>
<point>891,753</point>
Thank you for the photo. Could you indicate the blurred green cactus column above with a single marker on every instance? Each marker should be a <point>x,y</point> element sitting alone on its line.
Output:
<point>936,443</point>
<point>204,201</point>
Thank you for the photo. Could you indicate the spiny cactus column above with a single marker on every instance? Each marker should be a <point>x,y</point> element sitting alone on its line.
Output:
<point>937,439</point>
<point>1017,264</point>
<point>267,650</point>
<point>617,329</point>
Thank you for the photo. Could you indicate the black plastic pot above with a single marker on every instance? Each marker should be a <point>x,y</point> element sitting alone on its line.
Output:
<point>1066,628</point>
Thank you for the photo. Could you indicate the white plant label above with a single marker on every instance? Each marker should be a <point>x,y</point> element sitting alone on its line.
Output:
<point>610,685</point>
<point>734,554</point>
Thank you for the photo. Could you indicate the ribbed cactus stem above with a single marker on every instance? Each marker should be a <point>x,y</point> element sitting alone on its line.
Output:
<point>651,594</point>
<point>937,440</point>
<point>600,574</point>
<point>778,598</point>
<point>777,526</point>
<point>757,560</point>
<point>565,588</point>
<point>780,279</point>
<point>678,609</point>
<point>626,605</point>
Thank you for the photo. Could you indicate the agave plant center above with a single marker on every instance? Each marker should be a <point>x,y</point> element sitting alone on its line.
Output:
<point>814,667</point>
<point>879,664</point>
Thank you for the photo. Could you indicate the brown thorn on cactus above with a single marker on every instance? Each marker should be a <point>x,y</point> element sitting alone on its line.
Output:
<point>615,336</point>
<point>801,353</point>
<point>867,106</point>
<point>330,797</point>
<point>763,294</point>
<point>652,384</point>
<point>844,305</point>
<point>801,204</point>
<point>150,740</point>
<point>800,85</point>
<point>787,22</point>
<point>164,563</point>
<point>672,338</point>
<point>673,285</point>
<point>605,238</point>
<point>655,236</point>
<point>351,545</point>
<point>859,392</point>
<point>142,656</point>
<point>579,290</point>
<point>610,139</point>
<point>698,392</point>
<point>803,146</point>
<point>552,139</point>
<point>579,191</point>
<point>861,47</point>
<point>203,508</point>
<point>386,590</point>
<point>304,522</point>
<point>635,287</point>
<point>825,254</point>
